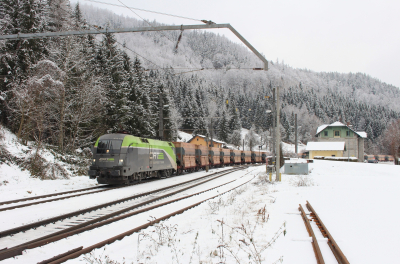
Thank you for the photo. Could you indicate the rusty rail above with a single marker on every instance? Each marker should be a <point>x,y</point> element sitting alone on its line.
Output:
<point>317,250</point>
<point>340,257</point>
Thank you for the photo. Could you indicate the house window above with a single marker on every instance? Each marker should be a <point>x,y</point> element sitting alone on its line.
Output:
<point>337,133</point>
<point>197,139</point>
<point>347,133</point>
<point>325,133</point>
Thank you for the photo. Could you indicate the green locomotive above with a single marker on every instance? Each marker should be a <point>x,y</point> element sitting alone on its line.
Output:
<point>123,159</point>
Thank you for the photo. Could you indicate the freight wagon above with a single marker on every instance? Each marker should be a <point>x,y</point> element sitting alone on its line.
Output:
<point>225,156</point>
<point>263,157</point>
<point>185,157</point>
<point>255,157</point>
<point>246,157</point>
<point>201,157</point>
<point>214,156</point>
<point>236,156</point>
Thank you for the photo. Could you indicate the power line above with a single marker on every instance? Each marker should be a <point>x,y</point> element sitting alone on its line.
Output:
<point>123,46</point>
<point>130,9</point>
<point>155,12</point>
<point>160,32</point>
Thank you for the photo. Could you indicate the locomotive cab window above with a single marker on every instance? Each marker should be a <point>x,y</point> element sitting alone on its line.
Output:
<point>109,146</point>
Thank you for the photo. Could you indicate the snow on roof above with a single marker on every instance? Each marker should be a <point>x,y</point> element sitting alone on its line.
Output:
<point>325,146</point>
<point>184,137</point>
<point>202,136</point>
<point>338,124</point>
<point>361,134</point>
<point>320,128</point>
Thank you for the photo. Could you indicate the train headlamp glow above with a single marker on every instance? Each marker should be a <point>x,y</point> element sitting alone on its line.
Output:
<point>94,161</point>
<point>121,161</point>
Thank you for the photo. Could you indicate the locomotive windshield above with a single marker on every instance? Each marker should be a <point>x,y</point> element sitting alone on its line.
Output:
<point>109,146</point>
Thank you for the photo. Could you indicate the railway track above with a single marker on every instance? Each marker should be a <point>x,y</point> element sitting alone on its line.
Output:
<point>4,206</point>
<point>337,252</point>
<point>74,253</point>
<point>24,202</point>
<point>19,239</point>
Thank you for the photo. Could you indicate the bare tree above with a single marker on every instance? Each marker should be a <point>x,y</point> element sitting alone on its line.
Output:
<point>391,139</point>
<point>235,138</point>
<point>251,138</point>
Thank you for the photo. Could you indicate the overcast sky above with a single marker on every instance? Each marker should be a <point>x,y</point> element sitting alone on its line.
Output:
<point>341,36</point>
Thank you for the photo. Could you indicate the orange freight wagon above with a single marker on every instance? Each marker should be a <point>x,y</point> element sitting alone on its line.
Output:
<point>185,156</point>
<point>201,156</point>
<point>214,156</point>
<point>246,157</point>
<point>225,156</point>
<point>255,157</point>
<point>236,156</point>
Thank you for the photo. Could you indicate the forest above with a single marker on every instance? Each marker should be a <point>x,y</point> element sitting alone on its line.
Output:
<point>66,91</point>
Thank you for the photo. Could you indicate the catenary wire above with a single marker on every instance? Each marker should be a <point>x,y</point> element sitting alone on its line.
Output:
<point>131,9</point>
<point>148,23</point>
<point>146,10</point>
<point>123,46</point>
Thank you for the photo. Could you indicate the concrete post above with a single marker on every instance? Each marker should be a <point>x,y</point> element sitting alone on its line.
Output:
<point>295,134</point>
<point>278,138</point>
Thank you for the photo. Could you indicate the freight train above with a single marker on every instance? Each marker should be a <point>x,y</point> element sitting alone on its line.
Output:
<point>123,159</point>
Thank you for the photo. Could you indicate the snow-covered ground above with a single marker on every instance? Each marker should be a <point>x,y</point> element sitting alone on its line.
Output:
<point>16,182</point>
<point>356,201</point>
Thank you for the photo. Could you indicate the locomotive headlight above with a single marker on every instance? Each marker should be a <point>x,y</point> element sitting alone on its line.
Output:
<point>94,161</point>
<point>121,161</point>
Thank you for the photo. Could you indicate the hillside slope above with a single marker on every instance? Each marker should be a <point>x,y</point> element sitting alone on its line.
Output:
<point>318,98</point>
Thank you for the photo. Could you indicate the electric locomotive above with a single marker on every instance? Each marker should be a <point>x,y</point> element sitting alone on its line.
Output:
<point>123,159</point>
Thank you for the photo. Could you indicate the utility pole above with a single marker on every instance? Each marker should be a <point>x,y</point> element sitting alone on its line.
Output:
<point>278,138</point>
<point>161,116</point>
<point>208,158</point>
<point>295,133</point>
<point>273,125</point>
<point>348,140</point>
<point>211,133</point>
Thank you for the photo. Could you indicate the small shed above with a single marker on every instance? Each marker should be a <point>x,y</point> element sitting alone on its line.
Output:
<point>325,149</point>
<point>298,168</point>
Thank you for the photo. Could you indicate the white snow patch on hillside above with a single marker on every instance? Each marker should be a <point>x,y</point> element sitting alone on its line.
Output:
<point>16,182</point>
